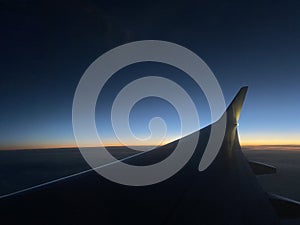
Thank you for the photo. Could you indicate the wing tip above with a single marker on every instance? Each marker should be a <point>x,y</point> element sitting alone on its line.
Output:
<point>234,109</point>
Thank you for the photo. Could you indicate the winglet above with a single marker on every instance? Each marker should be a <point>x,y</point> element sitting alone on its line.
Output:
<point>231,116</point>
<point>234,109</point>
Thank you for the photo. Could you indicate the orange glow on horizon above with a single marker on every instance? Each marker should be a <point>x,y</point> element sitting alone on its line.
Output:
<point>287,142</point>
<point>270,139</point>
<point>73,145</point>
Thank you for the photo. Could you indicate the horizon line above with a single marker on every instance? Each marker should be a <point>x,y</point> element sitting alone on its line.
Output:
<point>247,146</point>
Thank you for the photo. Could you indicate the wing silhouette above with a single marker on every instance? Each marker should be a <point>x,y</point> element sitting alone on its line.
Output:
<point>227,192</point>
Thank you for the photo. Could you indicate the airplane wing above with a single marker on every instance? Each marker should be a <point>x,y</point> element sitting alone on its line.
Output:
<point>227,192</point>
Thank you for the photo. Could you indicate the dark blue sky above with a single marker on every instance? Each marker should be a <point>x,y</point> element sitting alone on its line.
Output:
<point>47,45</point>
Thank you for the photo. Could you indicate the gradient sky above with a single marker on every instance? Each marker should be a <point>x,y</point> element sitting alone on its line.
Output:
<point>47,45</point>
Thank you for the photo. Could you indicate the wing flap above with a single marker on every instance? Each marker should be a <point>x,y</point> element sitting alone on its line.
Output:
<point>284,207</point>
<point>259,168</point>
